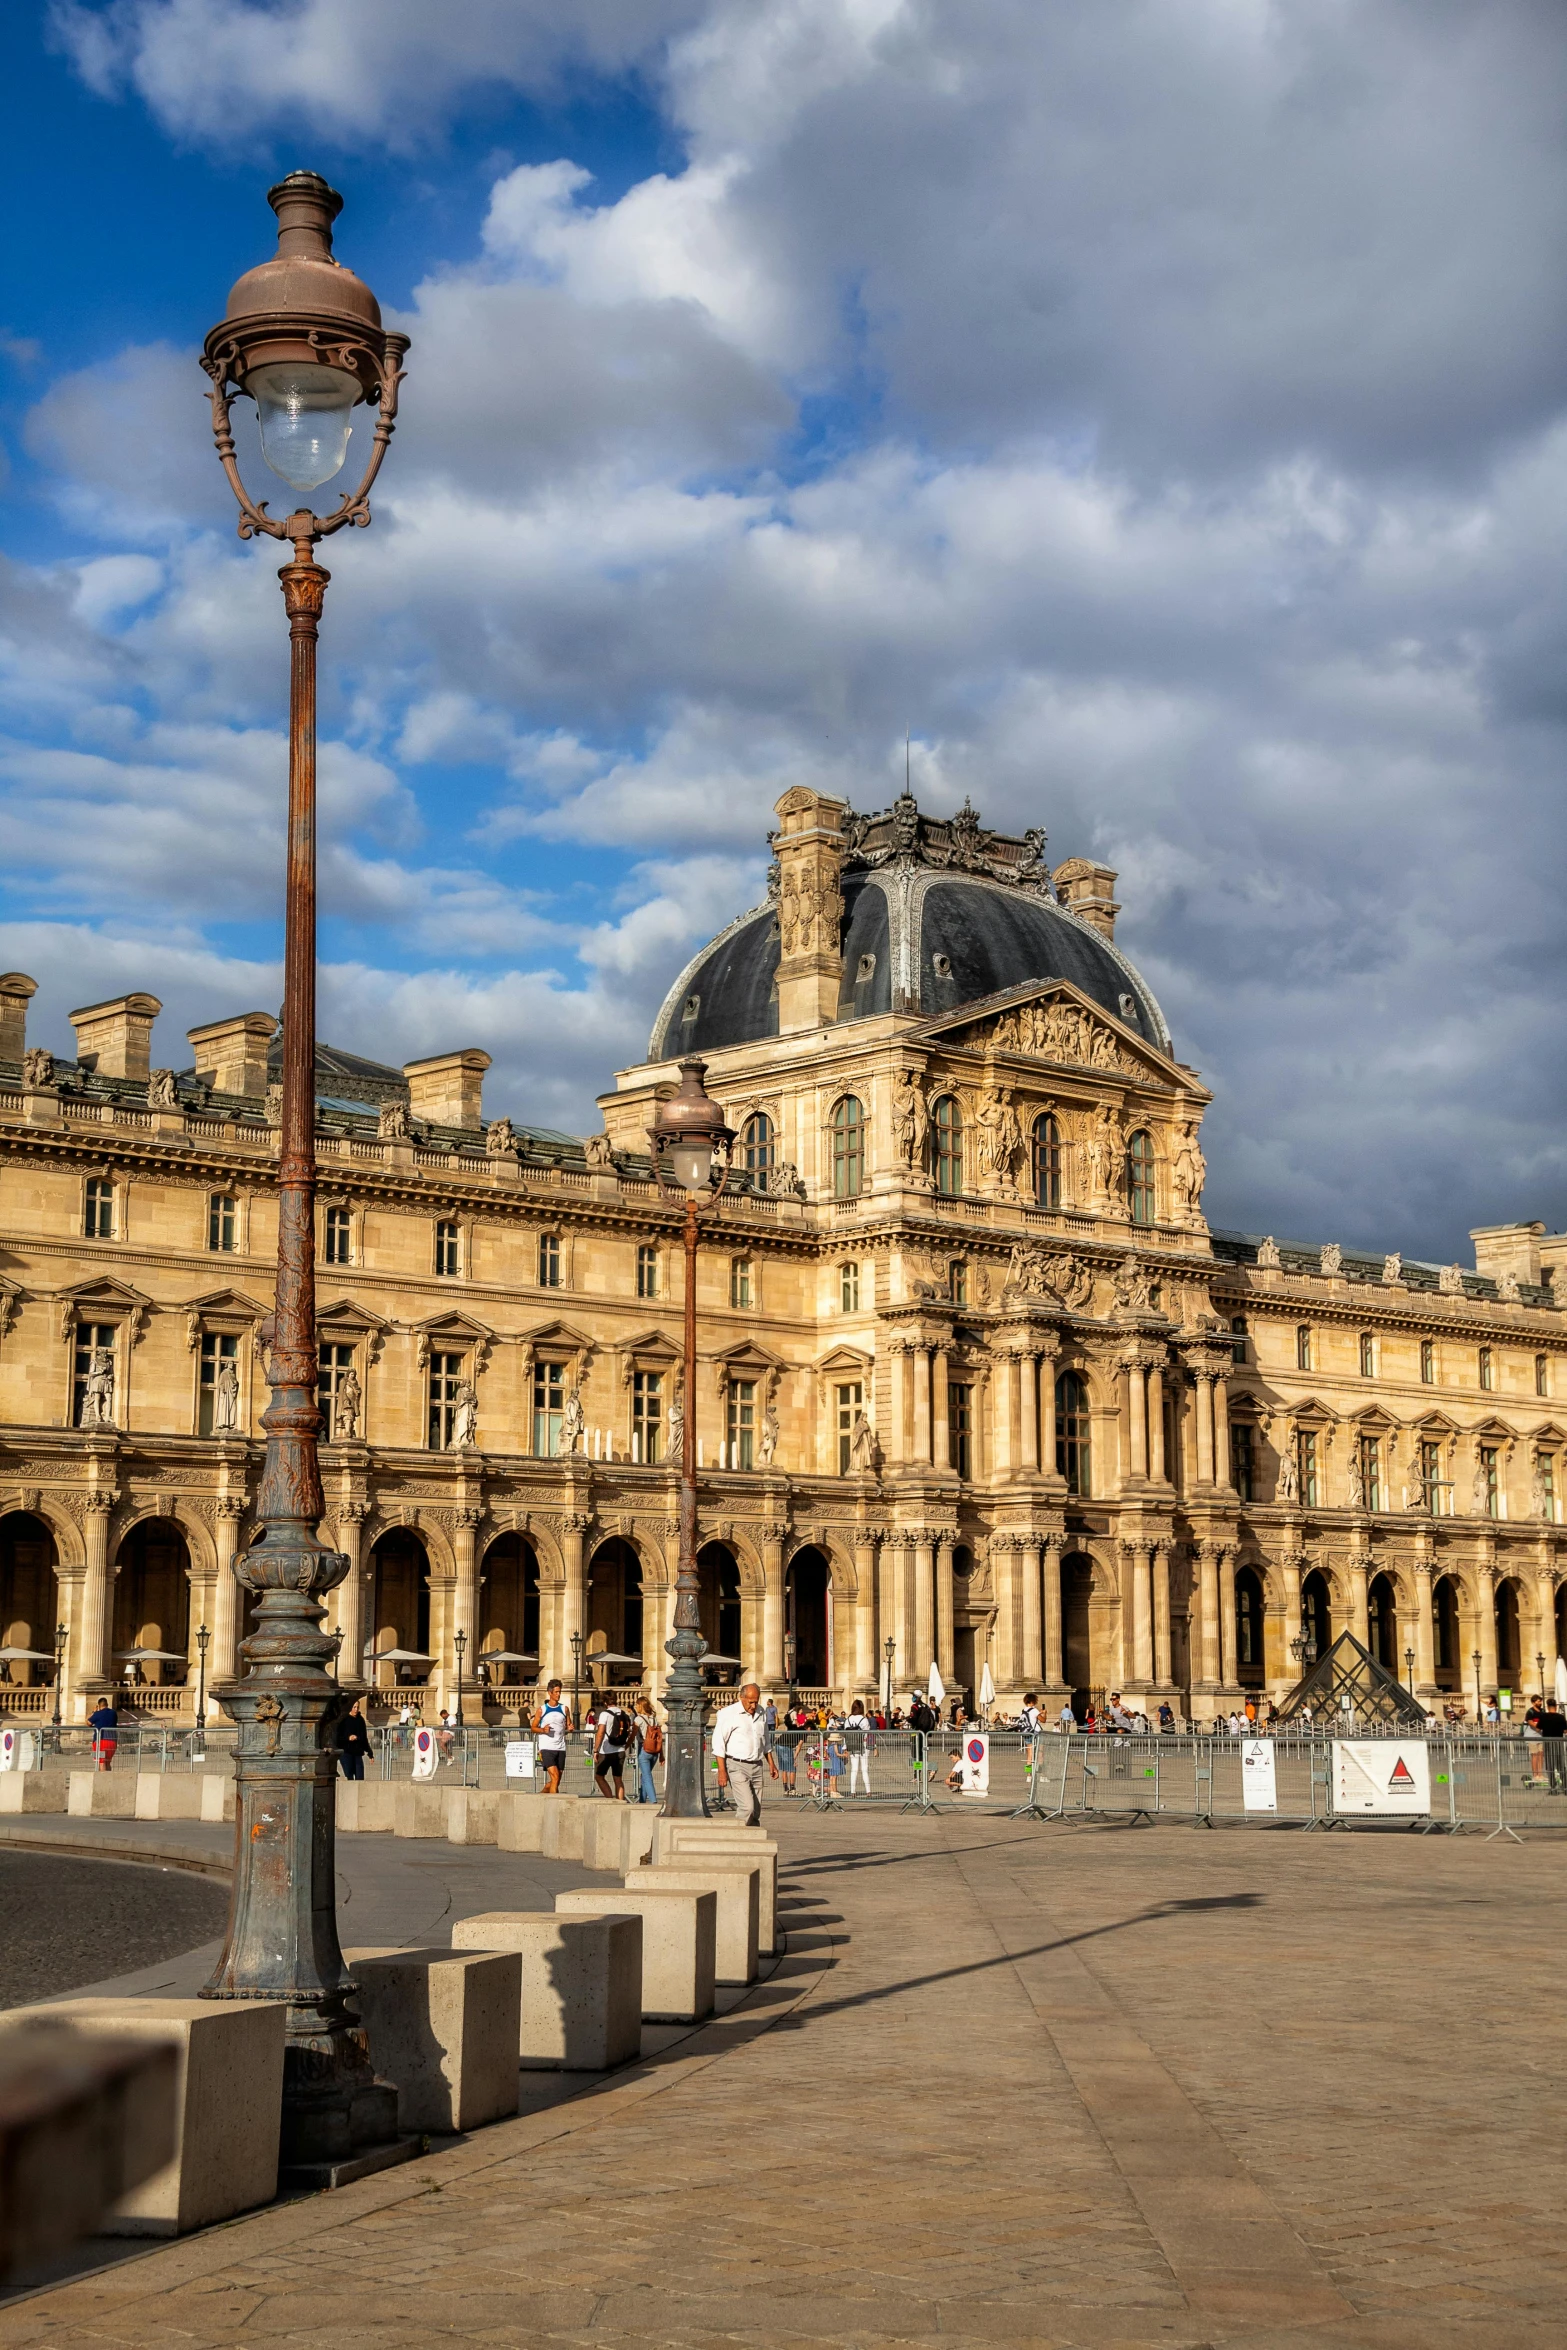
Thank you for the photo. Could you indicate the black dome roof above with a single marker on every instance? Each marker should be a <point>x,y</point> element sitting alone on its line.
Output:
<point>915,939</point>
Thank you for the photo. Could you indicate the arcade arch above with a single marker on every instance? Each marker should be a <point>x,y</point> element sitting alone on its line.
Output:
<point>399,1605</point>
<point>614,1624</point>
<point>719,1602</point>
<point>509,1606</point>
<point>1382,1622</point>
<point>152,1602</point>
<point>29,1595</point>
<point>808,1618</point>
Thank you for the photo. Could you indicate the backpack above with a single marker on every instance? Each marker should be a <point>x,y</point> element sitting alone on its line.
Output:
<point>652,1740</point>
<point>617,1729</point>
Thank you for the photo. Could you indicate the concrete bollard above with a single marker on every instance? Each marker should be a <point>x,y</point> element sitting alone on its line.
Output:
<point>102,1795</point>
<point>581,2004</point>
<point>678,1839</point>
<point>84,2117</point>
<point>519,1822</point>
<point>561,1835</point>
<point>26,1791</point>
<point>228,2104</point>
<point>420,1809</point>
<point>161,1797</point>
<point>737,1882</point>
<point>367,1807</point>
<point>607,1836</point>
<point>470,1816</point>
<point>443,2026</point>
<point>679,1945</point>
<point>217,1796</point>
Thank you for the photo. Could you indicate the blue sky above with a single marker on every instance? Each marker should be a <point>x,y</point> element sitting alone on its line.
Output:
<point>1157,408</point>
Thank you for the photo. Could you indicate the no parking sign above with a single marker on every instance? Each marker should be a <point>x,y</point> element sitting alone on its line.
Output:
<point>425,1755</point>
<point>976,1763</point>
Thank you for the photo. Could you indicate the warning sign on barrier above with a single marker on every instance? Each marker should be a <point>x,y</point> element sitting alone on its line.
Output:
<point>1388,1778</point>
<point>976,1763</point>
<point>426,1756</point>
<point>1259,1781</point>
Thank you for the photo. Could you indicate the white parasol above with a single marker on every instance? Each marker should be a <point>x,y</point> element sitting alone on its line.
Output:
<point>936,1687</point>
<point>1561,1680</point>
<point>987,1687</point>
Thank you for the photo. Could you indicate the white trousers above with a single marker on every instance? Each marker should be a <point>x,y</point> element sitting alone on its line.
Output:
<point>859,1768</point>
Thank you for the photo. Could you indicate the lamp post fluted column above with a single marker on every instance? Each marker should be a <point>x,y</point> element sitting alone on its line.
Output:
<point>685,1796</point>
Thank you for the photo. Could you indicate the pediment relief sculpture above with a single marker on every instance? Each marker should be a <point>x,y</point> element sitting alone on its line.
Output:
<point>1053,1274</point>
<point>1059,1029</point>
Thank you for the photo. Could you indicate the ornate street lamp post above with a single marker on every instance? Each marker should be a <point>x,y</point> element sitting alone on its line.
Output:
<point>889,1651</point>
<point>460,1644</point>
<point>690,1146</point>
<point>576,1678</point>
<point>60,1637</point>
<point>1475,1661</point>
<point>203,1643</point>
<point>303,338</point>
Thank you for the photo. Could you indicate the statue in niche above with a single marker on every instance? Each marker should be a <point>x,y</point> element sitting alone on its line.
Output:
<point>1357,1480</point>
<point>572,1423</point>
<point>787,1182</point>
<point>1188,1172</point>
<point>160,1090</point>
<point>598,1154</point>
<point>465,1417</point>
<point>908,1117</point>
<point>770,1434</point>
<point>37,1067</point>
<point>500,1138</point>
<point>1332,1259</point>
<point>1480,1491</point>
<point>98,1390</point>
<point>1288,1485</point>
<point>225,1400</point>
<point>1539,1499</point>
<point>1132,1287</point>
<point>862,1446</point>
<point>393,1123</point>
<point>1392,1269</point>
<point>675,1432</point>
<point>1268,1255</point>
<point>346,1407</point>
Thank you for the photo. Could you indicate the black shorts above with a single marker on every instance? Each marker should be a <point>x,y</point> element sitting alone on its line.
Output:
<point>605,1761</point>
<point>552,1758</point>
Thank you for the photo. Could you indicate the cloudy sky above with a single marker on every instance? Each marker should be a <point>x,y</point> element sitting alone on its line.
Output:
<point>1156,406</point>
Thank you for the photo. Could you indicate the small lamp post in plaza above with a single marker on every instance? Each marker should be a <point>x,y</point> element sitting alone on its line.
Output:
<point>1409,1670</point>
<point>889,1652</point>
<point>61,1635</point>
<point>1479,1710</point>
<point>203,1643</point>
<point>302,337</point>
<point>460,1645</point>
<point>576,1678</point>
<point>690,1146</point>
<point>1539,1668</point>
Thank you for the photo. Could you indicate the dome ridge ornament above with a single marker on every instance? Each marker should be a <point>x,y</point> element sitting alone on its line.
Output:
<point>900,835</point>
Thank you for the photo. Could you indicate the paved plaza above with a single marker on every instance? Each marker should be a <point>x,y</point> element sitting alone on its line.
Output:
<point>1056,2086</point>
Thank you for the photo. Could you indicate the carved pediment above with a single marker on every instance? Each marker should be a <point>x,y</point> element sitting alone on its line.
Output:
<point>91,1301</point>
<point>457,1332</point>
<point>1057,1023</point>
<point>220,1309</point>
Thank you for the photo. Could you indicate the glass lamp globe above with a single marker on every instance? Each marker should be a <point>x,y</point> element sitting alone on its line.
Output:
<point>304,411</point>
<point>693,1164</point>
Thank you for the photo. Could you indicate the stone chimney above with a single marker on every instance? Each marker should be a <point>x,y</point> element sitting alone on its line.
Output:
<point>1090,891</point>
<point>1508,1248</point>
<point>448,1090</point>
<point>117,1036</point>
<point>231,1055</point>
<point>16,993</point>
<point>809,846</point>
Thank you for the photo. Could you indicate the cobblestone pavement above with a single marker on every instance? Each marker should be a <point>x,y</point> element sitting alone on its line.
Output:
<point>1048,2085</point>
<point>69,1922</point>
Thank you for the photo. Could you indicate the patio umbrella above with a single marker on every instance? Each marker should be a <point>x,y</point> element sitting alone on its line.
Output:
<point>398,1656</point>
<point>11,1656</point>
<point>987,1687</point>
<point>608,1656</point>
<point>937,1688</point>
<point>174,1656</point>
<point>1561,1680</point>
<point>505,1656</point>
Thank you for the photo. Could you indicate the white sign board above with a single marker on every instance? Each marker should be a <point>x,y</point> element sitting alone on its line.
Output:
<point>426,1756</point>
<point>1259,1784</point>
<point>976,1763</point>
<point>1385,1778</point>
<point>519,1758</point>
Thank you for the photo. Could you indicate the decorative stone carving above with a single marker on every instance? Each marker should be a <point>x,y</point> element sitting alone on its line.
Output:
<point>1392,1269</point>
<point>1035,1271</point>
<point>1188,1172</point>
<point>1539,1499</point>
<point>1507,1288</point>
<point>1132,1287</point>
<point>393,1123</point>
<point>1332,1260</point>
<point>500,1139</point>
<point>787,1182</point>
<point>573,1433</point>
<point>1268,1255</point>
<point>98,1390</point>
<point>465,1417</point>
<point>1288,1485</point>
<point>160,1090</point>
<point>1357,1479</point>
<point>1062,1031</point>
<point>910,1117</point>
<point>1450,1281</point>
<point>347,1406</point>
<point>675,1430</point>
<point>1480,1491</point>
<point>769,1438</point>
<point>598,1155</point>
<point>225,1401</point>
<point>37,1068</point>
<point>1000,1135</point>
<point>864,1451</point>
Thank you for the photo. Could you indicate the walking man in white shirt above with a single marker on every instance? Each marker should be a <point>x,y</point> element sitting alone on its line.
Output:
<point>740,1751</point>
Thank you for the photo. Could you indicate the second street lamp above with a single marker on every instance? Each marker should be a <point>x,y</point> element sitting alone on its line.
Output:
<point>690,1144</point>
<point>302,337</point>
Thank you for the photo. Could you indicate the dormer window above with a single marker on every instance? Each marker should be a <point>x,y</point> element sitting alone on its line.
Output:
<point>865,970</point>
<point>1128,1005</point>
<point>693,1006</point>
<point>942,966</point>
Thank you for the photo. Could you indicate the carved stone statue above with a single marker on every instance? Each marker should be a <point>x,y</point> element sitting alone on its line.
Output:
<point>1480,1492</point>
<point>1268,1255</point>
<point>225,1401</point>
<point>1132,1287</point>
<point>1332,1258</point>
<point>787,1182</point>
<point>908,1117</point>
<point>862,1446</point>
<point>1507,1288</point>
<point>500,1138</point>
<point>346,1407</point>
<point>392,1124</point>
<point>1357,1480</point>
<point>37,1067</point>
<point>598,1154</point>
<point>1188,1172</point>
<point>572,1429</point>
<point>770,1434</point>
<point>1288,1486</point>
<point>1035,1271</point>
<point>675,1432</point>
<point>98,1390</point>
<point>1450,1281</point>
<point>1392,1269</point>
<point>1000,1135</point>
<point>160,1090</point>
<point>465,1418</point>
<point>1539,1499</point>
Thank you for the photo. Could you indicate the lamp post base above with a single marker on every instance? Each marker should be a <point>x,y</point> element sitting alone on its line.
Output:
<point>685,1707</point>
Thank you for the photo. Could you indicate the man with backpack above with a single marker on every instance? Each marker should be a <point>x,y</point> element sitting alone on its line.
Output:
<point>611,1739</point>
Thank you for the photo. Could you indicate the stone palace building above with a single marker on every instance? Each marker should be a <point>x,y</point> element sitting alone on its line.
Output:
<point>977,1382</point>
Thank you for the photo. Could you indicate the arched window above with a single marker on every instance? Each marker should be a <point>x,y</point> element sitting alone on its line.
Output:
<point>848,1149</point>
<point>1072,1449</point>
<point>1047,1162</point>
<point>1139,1177</point>
<point>758,1144</point>
<point>946,1138</point>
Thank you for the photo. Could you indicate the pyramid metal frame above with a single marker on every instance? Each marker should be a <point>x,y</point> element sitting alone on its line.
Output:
<point>1350,1670</point>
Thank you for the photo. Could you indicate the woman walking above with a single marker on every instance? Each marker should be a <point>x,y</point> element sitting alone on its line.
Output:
<point>650,1746</point>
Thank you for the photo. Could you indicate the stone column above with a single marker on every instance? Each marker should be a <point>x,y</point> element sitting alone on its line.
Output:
<point>773,1669</point>
<point>223,1657</point>
<point>464,1612</point>
<point>90,1668</point>
<point>1159,1562</point>
<point>1139,1648</point>
<point>922,1404</point>
<point>573,1614</point>
<point>1029,1632</point>
<point>1359,1605</point>
<point>1003,1410</point>
<point>1047,1409</point>
<point>924,1599</point>
<point>1424,1642</point>
<point>1137,1417</point>
<point>946,1644</point>
<point>1028,1413</point>
<point>1221,1432</point>
<point>1156,1468</point>
<point>1208,1557</point>
<point>1485,1640</point>
<point>1545,1619</point>
<point>1229,1669</point>
<point>1204,1428</point>
<point>941,1426</point>
<point>1050,1565</point>
<point>1290,1572</point>
<point>866,1662</point>
<point>902,1406</point>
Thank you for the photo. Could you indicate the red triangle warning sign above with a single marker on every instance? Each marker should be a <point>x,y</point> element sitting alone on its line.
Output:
<point>1401,1770</point>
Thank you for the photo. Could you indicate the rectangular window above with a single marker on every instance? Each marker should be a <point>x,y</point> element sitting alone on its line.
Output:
<point>1371,1470</point>
<point>1303,1348</point>
<point>445,1379</point>
<point>1490,1480</point>
<point>742,1424</point>
<point>1242,1459</point>
<point>99,1220</point>
<point>334,1358</point>
<point>1542,1374</point>
<point>1428,1361</point>
<point>1548,1486</point>
<point>960,1428</point>
<point>1487,1369</point>
<point>1432,1483</point>
<point>215,1351</point>
<point>221,1221</point>
<point>339,1234</point>
<point>849,1288</point>
<point>957,1283</point>
<point>1368,1355</point>
<point>1306,1466</point>
<point>647,1270</point>
<point>549,1260</point>
<point>739,1281</point>
<point>1239,1344</point>
<point>549,1403</point>
<point>93,1339</point>
<point>446,1247</point>
<point>851,1399</point>
<point>647,1417</point>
